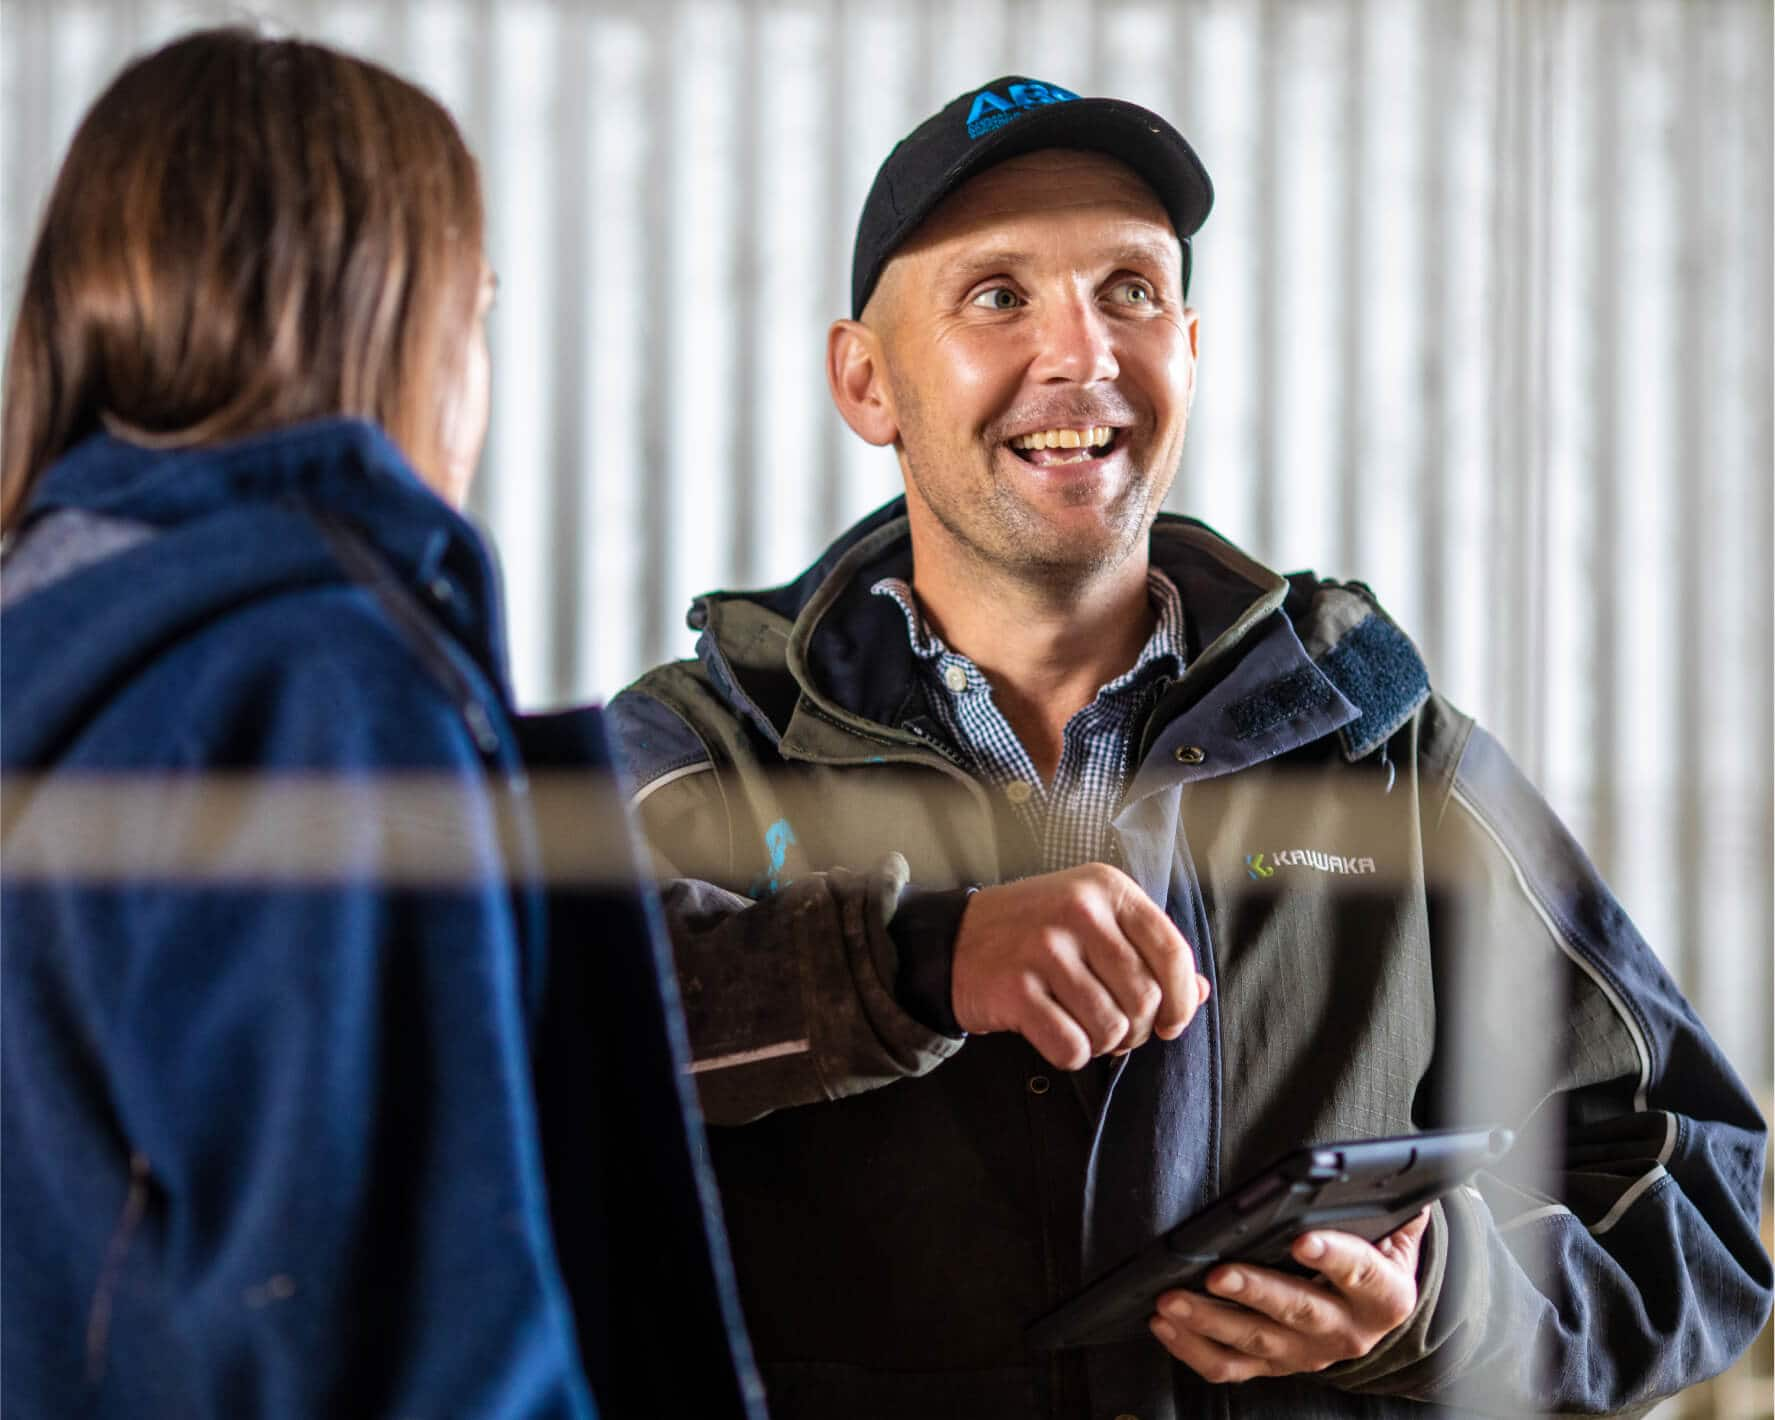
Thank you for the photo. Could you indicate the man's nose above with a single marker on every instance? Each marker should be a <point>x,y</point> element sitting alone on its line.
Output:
<point>1077,343</point>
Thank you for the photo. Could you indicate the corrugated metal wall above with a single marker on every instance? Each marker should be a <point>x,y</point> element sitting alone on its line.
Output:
<point>1486,305</point>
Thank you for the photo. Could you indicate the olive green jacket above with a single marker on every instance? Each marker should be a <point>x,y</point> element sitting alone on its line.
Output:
<point>1399,934</point>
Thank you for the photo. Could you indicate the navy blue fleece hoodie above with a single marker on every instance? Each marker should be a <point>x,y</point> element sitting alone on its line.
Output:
<point>343,1139</point>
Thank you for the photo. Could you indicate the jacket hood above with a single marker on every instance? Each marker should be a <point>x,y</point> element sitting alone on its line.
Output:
<point>216,528</point>
<point>826,640</point>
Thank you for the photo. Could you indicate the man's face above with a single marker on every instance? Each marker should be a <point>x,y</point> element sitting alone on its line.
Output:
<point>1040,362</point>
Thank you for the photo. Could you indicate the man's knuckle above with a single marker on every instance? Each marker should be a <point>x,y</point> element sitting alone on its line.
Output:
<point>1164,950</point>
<point>1109,1031</point>
<point>1104,876</point>
<point>1077,915</point>
<point>1052,942</point>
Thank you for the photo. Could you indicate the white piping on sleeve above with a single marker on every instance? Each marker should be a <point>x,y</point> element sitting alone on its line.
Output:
<point>1639,1186</point>
<point>647,789</point>
<point>1552,1210</point>
<point>1602,985</point>
<point>749,1057</point>
<point>1626,1200</point>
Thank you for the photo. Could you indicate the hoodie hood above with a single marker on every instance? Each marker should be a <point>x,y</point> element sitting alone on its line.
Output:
<point>211,530</point>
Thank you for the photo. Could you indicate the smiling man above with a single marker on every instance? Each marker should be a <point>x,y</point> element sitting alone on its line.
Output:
<point>1038,864</point>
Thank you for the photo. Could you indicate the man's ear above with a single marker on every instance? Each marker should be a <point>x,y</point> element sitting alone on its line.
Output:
<point>1193,326</point>
<point>857,376</point>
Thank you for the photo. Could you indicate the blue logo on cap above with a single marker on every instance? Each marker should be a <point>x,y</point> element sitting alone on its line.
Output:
<point>992,110</point>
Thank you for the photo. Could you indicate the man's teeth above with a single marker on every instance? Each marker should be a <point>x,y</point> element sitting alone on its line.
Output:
<point>1064,439</point>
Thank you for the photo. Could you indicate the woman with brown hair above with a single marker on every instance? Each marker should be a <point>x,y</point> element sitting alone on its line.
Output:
<point>315,1100</point>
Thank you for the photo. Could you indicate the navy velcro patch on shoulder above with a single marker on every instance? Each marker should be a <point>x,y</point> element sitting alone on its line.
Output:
<point>1278,702</point>
<point>1380,672</point>
<point>650,738</point>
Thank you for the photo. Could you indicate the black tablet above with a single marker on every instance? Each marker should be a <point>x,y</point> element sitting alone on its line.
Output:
<point>1369,1187</point>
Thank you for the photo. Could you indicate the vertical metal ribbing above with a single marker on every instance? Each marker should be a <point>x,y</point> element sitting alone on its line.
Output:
<point>1547,84</point>
<point>1759,452</point>
<point>1185,90</point>
<point>1503,355</point>
<point>1182,96</point>
<point>745,275</point>
<point>1604,300</point>
<point>1694,467</point>
<point>1520,366</point>
<point>1719,392</point>
<point>658,260</point>
<point>1268,315</point>
<point>131,18</point>
<point>400,31</point>
<point>476,120</point>
<point>17,22</point>
<point>30,158</point>
<point>840,228</point>
<point>925,95</point>
<point>1352,329</point>
<point>1018,21</point>
<point>1443,43</point>
<point>570,551</point>
<point>1090,62</point>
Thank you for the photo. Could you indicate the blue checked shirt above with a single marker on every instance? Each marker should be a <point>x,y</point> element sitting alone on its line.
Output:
<point>1069,817</point>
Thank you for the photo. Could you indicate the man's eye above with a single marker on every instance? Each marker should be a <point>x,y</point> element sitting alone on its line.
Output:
<point>1134,293</point>
<point>998,298</point>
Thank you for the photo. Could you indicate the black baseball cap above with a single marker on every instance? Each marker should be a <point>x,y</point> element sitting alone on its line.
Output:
<point>1008,117</point>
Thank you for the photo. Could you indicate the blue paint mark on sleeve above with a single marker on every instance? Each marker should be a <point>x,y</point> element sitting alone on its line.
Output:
<point>777,840</point>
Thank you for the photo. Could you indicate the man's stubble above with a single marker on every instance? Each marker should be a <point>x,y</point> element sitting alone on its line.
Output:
<point>1006,537</point>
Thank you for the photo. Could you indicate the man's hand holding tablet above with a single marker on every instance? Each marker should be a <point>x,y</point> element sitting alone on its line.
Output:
<point>1276,1324</point>
<point>1308,1262</point>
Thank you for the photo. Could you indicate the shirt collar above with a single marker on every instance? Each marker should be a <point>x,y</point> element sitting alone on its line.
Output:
<point>1165,644</point>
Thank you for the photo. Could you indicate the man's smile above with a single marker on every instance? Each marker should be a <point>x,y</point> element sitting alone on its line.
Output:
<point>1046,448</point>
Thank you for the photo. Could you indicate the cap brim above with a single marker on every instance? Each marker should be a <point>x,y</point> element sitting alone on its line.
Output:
<point>1139,138</point>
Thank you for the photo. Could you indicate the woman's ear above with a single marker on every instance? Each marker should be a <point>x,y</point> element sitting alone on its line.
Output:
<point>857,376</point>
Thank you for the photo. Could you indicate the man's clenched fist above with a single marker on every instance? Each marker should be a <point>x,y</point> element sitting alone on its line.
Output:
<point>1080,963</point>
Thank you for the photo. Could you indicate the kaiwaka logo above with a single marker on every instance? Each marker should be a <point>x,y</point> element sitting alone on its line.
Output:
<point>992,110</point>
<point>1257,869</point>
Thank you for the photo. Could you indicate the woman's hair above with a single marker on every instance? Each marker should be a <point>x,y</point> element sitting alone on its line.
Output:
<point>246,232</point>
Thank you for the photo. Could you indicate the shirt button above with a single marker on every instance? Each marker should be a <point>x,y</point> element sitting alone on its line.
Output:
<point>955,678</point>
<point>440,590</point>
<point>1018,791</point>
<point>1188,754</point>
<point>1038,1084</point>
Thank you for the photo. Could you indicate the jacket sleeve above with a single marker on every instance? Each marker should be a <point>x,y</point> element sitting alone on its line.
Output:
<point>1616,1258</point>
<point>337,1197</point>
<point>790,984</point>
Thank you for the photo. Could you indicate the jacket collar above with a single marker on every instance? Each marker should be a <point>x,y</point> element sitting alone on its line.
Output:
<point>823,666</point>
